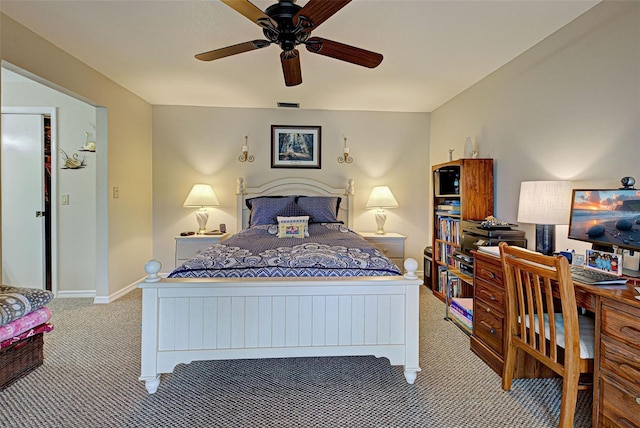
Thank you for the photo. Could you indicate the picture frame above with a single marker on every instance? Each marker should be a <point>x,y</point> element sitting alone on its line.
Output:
<point>295,146</point>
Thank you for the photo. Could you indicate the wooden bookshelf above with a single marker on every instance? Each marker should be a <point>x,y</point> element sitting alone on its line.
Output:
<point>462,190</point>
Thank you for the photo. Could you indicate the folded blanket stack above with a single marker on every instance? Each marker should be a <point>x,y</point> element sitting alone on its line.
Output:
<point>23,320</point>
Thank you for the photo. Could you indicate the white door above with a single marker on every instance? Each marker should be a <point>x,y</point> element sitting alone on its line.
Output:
<point>23,233</point>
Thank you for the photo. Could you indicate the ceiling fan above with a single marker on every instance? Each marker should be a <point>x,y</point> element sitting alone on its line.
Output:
<point>289,25</point>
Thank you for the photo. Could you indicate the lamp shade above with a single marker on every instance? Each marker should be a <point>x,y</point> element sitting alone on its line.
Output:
<point>381,197</point>
<point>544,202</point>
<point>201,195</point>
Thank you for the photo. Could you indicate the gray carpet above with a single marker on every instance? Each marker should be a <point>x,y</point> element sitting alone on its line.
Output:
<point>89,379</point>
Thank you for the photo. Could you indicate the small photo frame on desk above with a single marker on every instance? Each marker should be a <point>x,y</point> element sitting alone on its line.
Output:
<point>577,260</point>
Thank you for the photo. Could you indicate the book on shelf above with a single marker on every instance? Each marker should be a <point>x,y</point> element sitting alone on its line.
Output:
<point>463,306</point>
<point>449,205</point>
<point>448,211</point>
<point>449,229</point>
<point>455,286</point>
<point>461,321</point>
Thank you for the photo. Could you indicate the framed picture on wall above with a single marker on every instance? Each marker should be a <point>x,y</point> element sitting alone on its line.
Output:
<point>295,146</point>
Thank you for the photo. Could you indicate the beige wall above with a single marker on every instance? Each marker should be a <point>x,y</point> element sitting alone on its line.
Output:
<point>76,222</point>
<point>568,108</point>
<point>124,235</point>
<point>198,144</point>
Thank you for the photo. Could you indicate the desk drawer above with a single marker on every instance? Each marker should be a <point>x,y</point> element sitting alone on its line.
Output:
<point>621,322</point>
<point>621,360</point>
<point>490,294</point>
<point>489,326</point>
<point>489,272</point>
<point>619,405</point>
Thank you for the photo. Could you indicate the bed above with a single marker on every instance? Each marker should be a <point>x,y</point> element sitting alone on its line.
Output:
<point>258,316</point>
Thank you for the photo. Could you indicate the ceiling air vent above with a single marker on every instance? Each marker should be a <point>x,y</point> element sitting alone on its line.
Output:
<point>288,105</point>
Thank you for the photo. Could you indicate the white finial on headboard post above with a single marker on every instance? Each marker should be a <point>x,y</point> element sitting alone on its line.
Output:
<point>349,192</point>
<point>350,189</point>
<point>240,189</point>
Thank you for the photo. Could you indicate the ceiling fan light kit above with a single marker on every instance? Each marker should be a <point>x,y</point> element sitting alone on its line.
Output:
<point>289,25</point>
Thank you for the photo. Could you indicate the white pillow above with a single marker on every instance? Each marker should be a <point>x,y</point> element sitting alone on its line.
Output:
<point>293,227</point>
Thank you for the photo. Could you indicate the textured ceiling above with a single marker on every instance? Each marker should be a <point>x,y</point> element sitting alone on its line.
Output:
<point>432,50</point>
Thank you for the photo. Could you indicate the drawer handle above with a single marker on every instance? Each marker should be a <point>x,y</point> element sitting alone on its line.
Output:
<point>630,331</point>
<point>384,250</point>
<point>488,310</point>
<point>488,273</point>
<point>638,400</point>
<point>491,329</point>
<point>491,296</point>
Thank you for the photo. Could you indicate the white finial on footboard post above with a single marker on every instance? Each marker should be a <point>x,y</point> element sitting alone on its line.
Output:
<point>350,190</point>
<point>152,267</point>
<point>411,265</point>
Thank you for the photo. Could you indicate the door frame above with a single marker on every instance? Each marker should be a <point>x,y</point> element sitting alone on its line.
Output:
<point>52,113</point>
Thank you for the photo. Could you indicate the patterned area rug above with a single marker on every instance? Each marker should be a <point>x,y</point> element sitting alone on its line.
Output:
<point>92,363</point>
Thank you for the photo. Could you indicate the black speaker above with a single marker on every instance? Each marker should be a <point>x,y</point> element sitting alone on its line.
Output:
<point>223,228</point>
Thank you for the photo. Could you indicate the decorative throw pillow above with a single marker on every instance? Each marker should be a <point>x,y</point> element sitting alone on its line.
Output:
<point>322,209</point>
<point>293,227</point>
<point>265,209</point>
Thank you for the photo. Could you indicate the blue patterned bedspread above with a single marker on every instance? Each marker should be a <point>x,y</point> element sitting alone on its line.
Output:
<point>332,250</point>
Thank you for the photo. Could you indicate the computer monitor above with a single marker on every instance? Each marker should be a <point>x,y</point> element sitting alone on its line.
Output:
<point>606,218</point>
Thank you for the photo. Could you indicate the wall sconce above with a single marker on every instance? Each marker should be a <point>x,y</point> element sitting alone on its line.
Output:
<point>346,158</point>
<point>244,157</point>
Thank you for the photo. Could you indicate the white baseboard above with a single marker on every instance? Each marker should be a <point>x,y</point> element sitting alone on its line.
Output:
<point>75,294</point>
<point>115,296</point>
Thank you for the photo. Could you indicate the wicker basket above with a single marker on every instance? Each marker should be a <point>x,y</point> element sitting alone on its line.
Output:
<point>20,359</point>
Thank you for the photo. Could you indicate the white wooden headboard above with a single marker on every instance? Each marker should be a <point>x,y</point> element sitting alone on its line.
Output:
<point>294,186</point>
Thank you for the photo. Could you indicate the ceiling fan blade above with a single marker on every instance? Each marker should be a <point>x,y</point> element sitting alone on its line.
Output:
<point>250,11</point>
<point>291,67</point>
<point>233,50</point>
<point>318,11</point>
<point>343,52</point>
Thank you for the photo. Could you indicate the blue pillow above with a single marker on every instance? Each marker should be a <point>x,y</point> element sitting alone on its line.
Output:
<point>264,209</point>
<point>320,209</point>
<point>293,210</point>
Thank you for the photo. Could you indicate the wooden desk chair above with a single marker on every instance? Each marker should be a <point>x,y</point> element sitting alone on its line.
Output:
<point>529,280</point>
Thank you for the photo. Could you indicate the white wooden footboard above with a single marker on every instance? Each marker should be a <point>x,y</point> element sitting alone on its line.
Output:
<point>187,320</point>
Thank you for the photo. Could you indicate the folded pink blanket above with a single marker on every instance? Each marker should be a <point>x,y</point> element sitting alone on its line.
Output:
<point>42,328</point>
<point>22,324</point>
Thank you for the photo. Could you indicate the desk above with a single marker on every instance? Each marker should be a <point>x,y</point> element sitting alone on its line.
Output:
<point>616,392</point>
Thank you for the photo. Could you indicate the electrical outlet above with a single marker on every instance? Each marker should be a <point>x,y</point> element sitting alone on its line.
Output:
<point>65,199</point>
<point>116,192</point>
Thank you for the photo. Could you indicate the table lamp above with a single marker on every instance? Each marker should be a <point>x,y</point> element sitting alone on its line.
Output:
<point>545,204</point>
<point>381,198</point>
<point>201,196</point>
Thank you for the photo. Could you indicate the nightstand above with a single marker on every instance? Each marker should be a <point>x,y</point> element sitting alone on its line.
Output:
<point>189,246</point>
<point>390,244</point>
